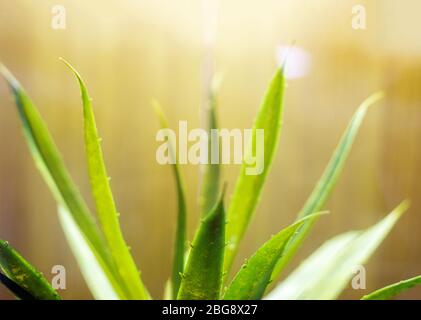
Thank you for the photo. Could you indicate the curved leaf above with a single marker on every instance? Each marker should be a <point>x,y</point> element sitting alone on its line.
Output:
<point>210,173</point>
<point>48,160</point>
<point>248,188</point>
<point>335,263</point>
<point>393,290</point>
<point>181,232</point>
<point>254,276</point>
<point>327,181</point>
<point>104,200</point>
<point>24,275</point>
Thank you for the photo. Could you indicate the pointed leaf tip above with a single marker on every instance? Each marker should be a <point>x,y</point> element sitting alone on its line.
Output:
<point>402,207</point>
<point>327,181</point>
<point>48,160</point>
<point>10,79</point>
<point>180,233</point>
<point>127,271</point>
<point>248,187</point>
<point>375,97</point>
<point>204,268</point>
<point>391,291</point>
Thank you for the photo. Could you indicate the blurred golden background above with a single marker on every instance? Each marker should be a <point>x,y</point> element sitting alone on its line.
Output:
<point>132,51</point>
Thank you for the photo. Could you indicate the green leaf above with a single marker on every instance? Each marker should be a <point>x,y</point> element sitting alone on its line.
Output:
<point>248,188</point>
<point>325,274</point>
<point>48,160</point>
<point>334,168</point>
<point>181,231</point>
<point>210,173</point>
<point>393,290</point>
<point>21,272</point>
<point>96,276</point>
<point>202,278</point>
<point>326,183</point>
<point>16,289</point>
<point>168,291</point>
<point>254,276</point>
<point>104,200</point>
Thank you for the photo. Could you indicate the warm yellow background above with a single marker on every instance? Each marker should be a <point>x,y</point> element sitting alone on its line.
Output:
<point>130,51</point>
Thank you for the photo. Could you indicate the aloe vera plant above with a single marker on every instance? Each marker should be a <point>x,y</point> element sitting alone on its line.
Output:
<point>201,270</point>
